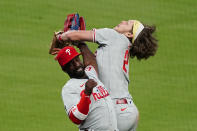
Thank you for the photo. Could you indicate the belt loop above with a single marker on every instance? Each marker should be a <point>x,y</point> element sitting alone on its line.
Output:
<point>121,101</point>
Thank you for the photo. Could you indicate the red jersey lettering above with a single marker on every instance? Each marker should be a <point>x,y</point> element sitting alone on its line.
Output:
<point>102,93</point>
<point>126,60</point>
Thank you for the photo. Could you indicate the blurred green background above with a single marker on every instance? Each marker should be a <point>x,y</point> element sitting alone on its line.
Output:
<point>163,87</point>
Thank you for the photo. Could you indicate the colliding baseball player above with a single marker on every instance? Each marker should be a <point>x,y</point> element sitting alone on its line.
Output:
<point>86,100</point>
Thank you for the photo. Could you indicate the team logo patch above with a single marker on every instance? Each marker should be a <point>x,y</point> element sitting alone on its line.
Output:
<point>68,51</point>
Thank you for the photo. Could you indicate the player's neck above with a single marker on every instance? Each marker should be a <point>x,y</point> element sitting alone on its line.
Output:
<point>78,77</point>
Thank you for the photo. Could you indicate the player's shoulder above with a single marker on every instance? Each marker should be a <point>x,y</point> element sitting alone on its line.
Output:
<point>68,86</point>
<point>107,30</point>
<point>116,37</point>
<point>73,85</point>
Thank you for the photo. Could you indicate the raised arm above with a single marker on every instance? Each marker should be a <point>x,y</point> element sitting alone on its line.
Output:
<point>88,57</point>
<point>79,35</point>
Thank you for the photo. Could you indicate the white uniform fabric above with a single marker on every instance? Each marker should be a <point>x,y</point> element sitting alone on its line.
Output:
<point>112,59</point>
<point>101,116</point>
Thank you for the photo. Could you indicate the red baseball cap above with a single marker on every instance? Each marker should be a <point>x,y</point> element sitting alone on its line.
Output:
<point>66,54</point>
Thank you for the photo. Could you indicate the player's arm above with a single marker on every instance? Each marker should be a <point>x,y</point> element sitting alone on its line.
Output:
<point>79,113</point>
<point>80,35</point>
<point>88,57</point>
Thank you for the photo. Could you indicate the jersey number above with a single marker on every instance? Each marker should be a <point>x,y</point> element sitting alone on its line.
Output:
<point>126,60</point>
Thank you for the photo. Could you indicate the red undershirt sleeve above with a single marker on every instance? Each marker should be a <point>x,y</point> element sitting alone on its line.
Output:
<point>79,113</point>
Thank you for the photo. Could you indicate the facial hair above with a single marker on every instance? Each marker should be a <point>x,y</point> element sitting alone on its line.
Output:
<point>78,73</point>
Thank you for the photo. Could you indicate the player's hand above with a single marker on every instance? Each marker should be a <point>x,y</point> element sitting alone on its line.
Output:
<point>90,84</point>
<point>59,37</point>
<point>59,32</point>
<point>62,36</point>
<point>55,43</point>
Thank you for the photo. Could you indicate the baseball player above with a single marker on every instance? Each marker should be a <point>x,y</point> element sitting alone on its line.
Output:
<point>115,45</point>
<point>85,98</point>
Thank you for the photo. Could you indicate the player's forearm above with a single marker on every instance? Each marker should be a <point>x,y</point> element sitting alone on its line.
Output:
<point>80,112</point>
<point>76,36</point>
<point>88,57</point>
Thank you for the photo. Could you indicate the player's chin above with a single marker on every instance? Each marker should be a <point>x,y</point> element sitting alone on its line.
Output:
<point>80,72</point>
<point>80,69</point>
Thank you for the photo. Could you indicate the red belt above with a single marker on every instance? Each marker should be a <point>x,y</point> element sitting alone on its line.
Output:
<point>121,101</point>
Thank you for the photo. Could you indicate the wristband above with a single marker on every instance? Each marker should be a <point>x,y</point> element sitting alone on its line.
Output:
<point>85,95</point>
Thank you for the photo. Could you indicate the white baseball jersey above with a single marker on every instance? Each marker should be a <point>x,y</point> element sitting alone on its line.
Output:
<point>112,59</point>
<point>113,64</point>
<point>101,114</point>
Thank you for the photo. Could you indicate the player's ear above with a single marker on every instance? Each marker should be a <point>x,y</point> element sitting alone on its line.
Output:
<point>128,35</point>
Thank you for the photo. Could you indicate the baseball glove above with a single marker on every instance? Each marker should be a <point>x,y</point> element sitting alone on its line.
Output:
<point>72,22</point>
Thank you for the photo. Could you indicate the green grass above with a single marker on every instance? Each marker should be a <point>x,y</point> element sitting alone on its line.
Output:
<point>163,87</point>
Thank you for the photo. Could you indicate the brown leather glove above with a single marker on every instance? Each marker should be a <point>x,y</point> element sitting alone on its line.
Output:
<point>57,44</point>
